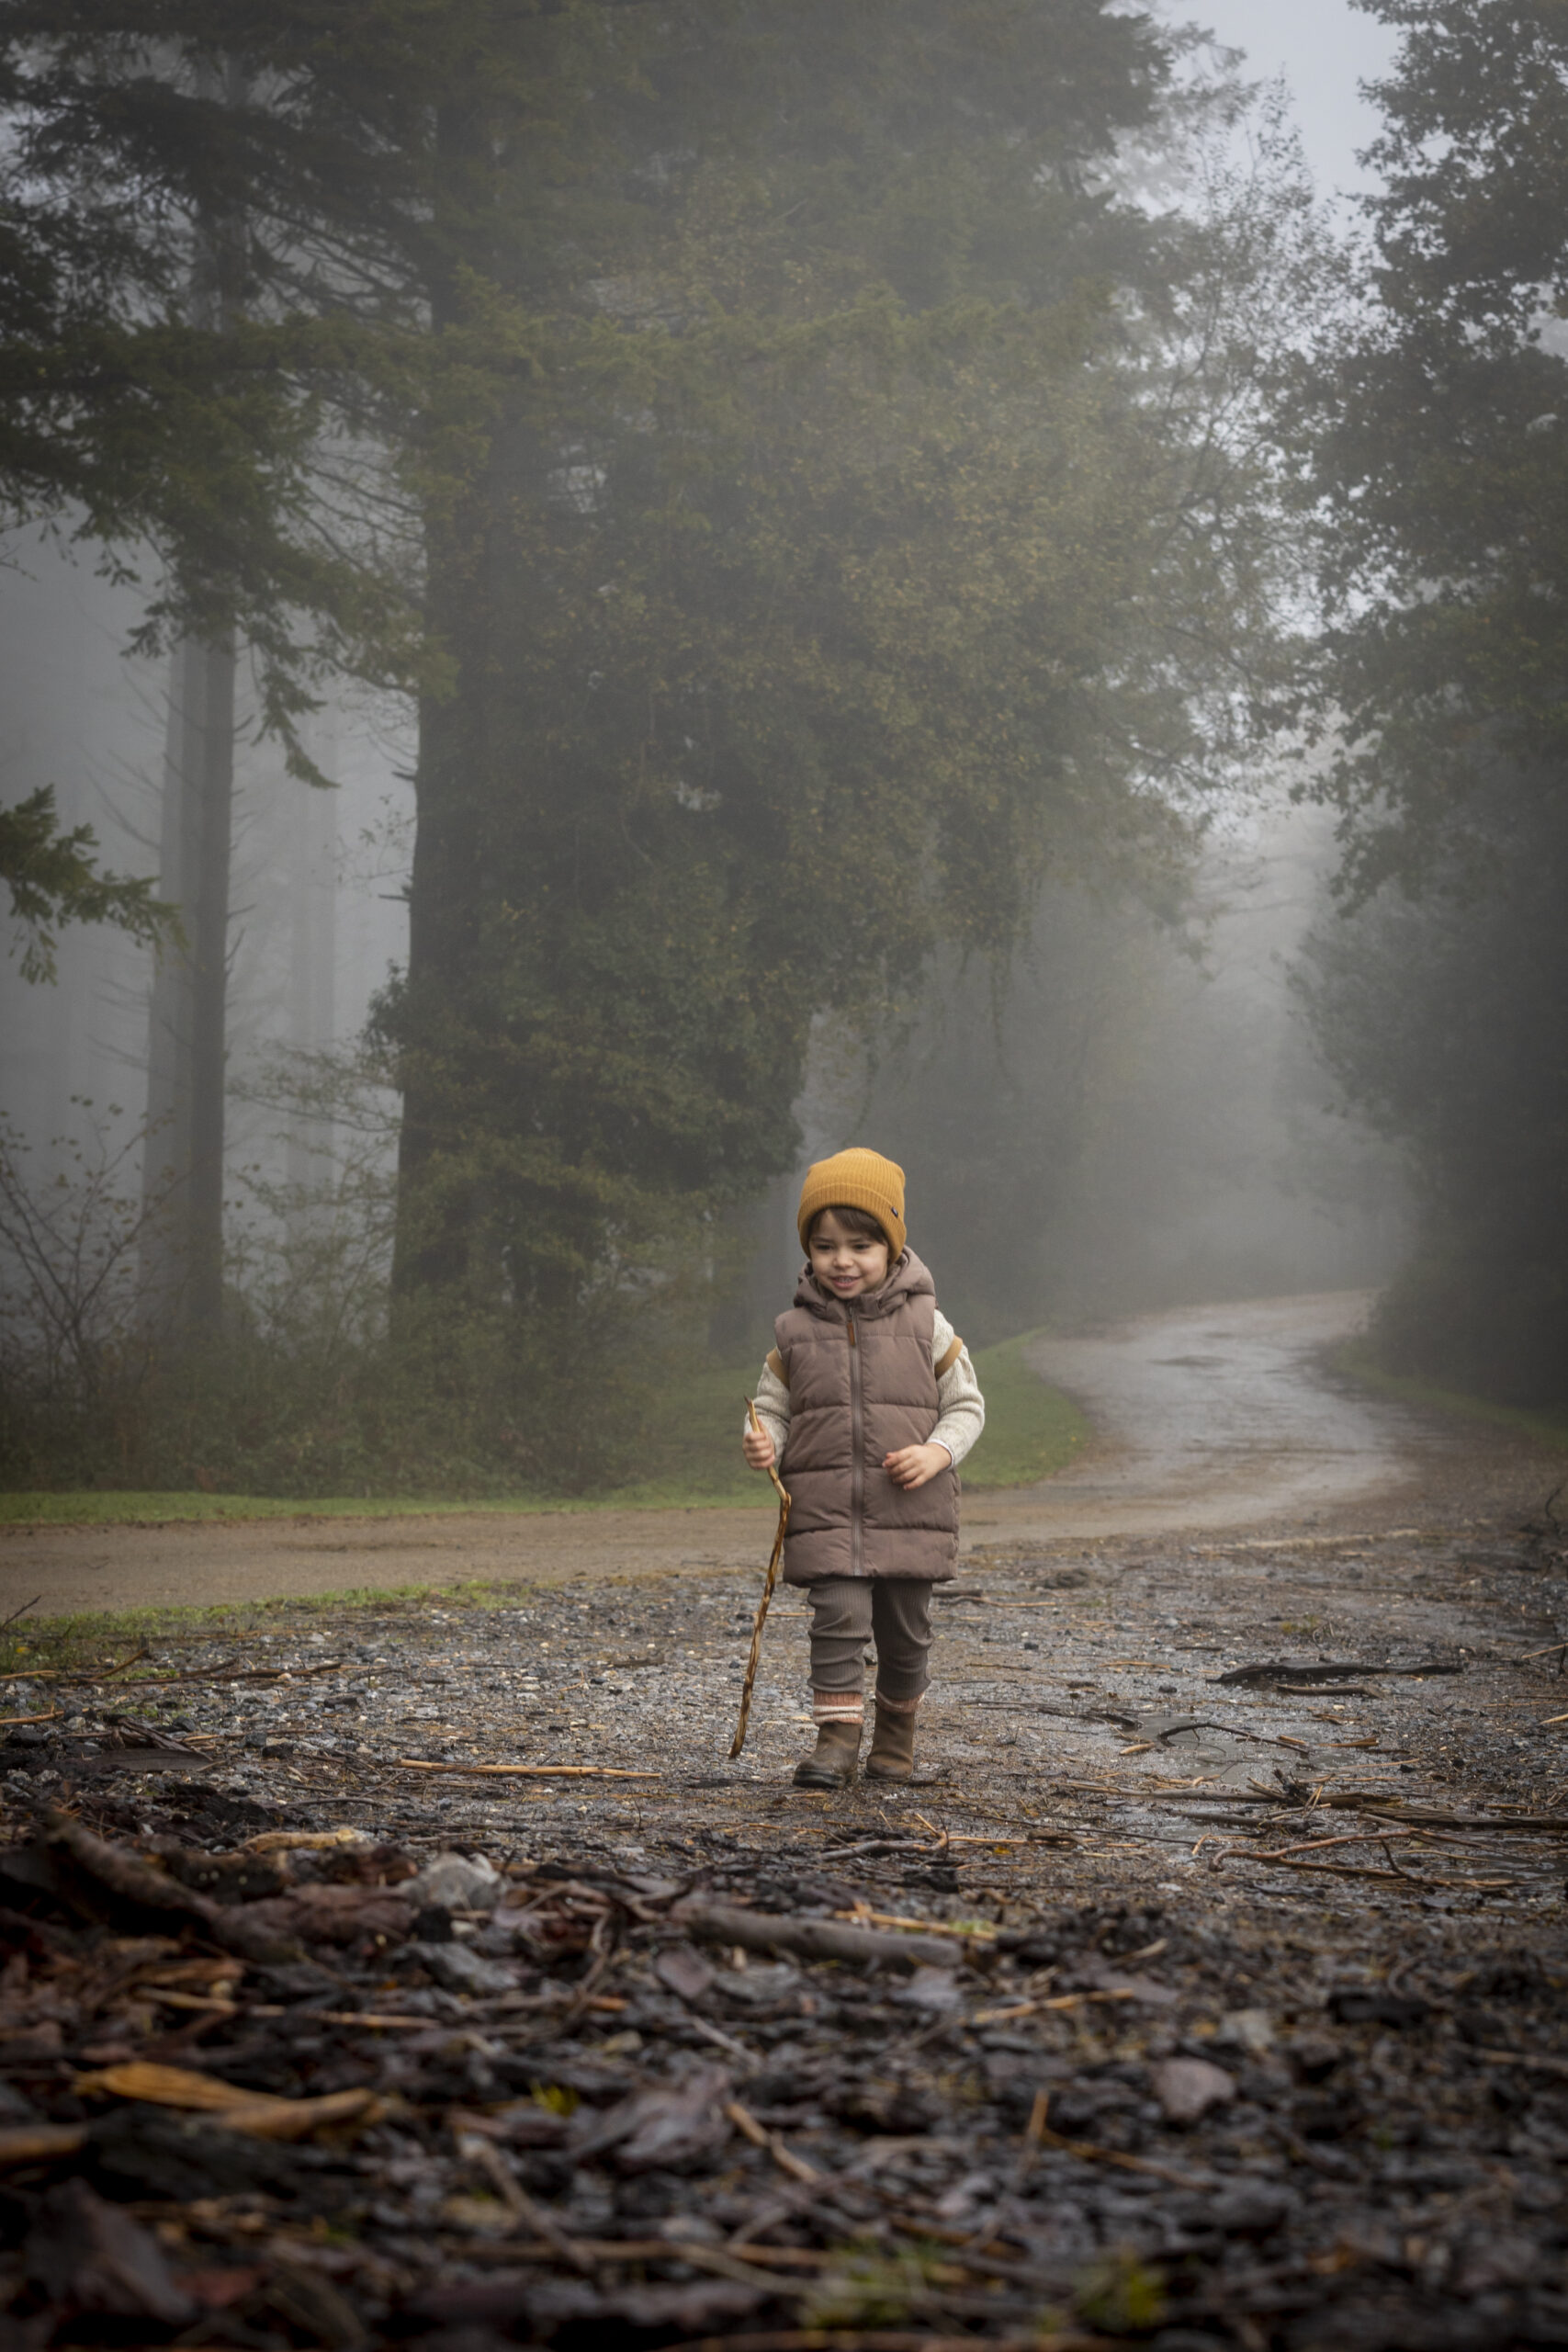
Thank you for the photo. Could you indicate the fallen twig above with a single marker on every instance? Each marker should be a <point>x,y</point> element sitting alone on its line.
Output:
<point>760,2136</point>
<point>525,1771</point>
<point>1282,1670</point>
<point>1057,2001</point>
<point>722,1923</point>
<point>1360,1869</point>
<point>1543,2061</point>
<point>1090,2154</point>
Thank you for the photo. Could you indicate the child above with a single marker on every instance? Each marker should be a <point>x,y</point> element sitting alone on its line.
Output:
<point>868,1403</point>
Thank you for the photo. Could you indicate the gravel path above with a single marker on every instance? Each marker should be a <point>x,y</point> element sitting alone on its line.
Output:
<point>1237,1859</point>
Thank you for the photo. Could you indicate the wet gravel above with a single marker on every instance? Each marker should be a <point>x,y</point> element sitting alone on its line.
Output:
<point>1180,2069</point>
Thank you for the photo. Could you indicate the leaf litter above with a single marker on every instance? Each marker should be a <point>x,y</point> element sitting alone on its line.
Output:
<point>304,2042</point>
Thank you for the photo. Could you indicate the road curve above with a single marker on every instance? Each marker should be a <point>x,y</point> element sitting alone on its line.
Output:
<point>1206,1418</point>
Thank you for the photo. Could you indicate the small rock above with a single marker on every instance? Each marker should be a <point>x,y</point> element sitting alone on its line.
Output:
<point>1188,2088</point>
<point>1314,2055</point>
<point>455,1883</point>
<point>758,1988</point>
<point>933,1989</point>
<point>1502,2260</point>
<point>1248,2030</point>
<point>681,1969</point>
<point>462,1971</point>
<point>1255,2209</point>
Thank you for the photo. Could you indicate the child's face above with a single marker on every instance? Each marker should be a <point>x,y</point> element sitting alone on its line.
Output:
<point>846,1263</point>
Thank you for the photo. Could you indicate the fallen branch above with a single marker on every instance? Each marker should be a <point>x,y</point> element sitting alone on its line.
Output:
<point>760,2136</point>
<point>525,1771</point>
<point>1281,1671</point>
<point>1085,2150</point>
<point>883,2339</point>
<point>722,1923</point>
<point>1057,2001</point>
<point>1362,1869</point>
<point>97,1870</point>
<point>1376,1808</point>
<point>1542,2059</point>
<point>976,1930</point>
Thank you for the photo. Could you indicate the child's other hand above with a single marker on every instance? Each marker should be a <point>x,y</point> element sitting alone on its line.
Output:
<point>758,1448</point>
<point>913,1465</point>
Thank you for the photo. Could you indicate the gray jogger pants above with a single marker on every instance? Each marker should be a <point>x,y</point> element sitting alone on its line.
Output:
<point>846,1611</point>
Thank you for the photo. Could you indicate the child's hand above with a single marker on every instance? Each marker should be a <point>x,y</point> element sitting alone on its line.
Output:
<point>758,1448</point>
<point>913,1465</point>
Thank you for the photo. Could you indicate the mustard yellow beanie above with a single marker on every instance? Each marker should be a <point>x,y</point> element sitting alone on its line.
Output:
<point>855,1179</point>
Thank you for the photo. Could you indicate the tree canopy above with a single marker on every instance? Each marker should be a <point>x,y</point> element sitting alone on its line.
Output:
<point>1440,469</point>
<point>846,560</point>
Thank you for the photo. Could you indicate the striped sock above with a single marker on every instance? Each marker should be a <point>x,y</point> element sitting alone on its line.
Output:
<point>838,1707</point>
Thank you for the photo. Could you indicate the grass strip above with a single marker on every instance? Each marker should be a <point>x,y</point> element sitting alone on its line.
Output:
<point>693,1436</point>
<point>1355,1362</point>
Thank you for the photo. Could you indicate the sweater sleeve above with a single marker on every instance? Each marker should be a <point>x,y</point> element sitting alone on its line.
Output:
<point>773,1406</point>
<point>962,1408</point>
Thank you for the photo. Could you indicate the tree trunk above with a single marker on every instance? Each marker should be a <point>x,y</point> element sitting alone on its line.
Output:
<point>183,1161</point>
<point>312,921</point>
<point>188,1016</point>
<point>433,1245</point>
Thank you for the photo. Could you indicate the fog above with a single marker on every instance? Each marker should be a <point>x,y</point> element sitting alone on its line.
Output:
<point>317,912</point>
<point>1257,1181</point>
<point>1323,54</point>
<point>1124,1109</point>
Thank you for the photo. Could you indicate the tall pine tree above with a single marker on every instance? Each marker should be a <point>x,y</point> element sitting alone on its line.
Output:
<point>838,564</point>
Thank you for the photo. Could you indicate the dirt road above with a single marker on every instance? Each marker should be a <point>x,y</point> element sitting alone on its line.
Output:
<point>1208,1417</point>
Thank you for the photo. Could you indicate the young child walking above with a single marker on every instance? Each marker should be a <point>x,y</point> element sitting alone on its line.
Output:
<point>868,1403</point>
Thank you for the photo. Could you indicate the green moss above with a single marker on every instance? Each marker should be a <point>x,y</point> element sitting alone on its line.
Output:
<point>1356,1362</point>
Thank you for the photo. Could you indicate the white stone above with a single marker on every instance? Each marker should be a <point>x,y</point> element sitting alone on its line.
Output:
<point>455,1883</point>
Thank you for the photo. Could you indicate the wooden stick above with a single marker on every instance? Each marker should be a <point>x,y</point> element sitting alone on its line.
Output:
<point>777,1555</point>
<point>525,1771</point>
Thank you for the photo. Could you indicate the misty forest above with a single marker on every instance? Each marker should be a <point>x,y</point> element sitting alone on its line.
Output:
<point>602,602</point>
<point>601,599</point>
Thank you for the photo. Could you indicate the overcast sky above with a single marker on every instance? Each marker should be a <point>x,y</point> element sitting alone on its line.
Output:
<point>1324,48</point>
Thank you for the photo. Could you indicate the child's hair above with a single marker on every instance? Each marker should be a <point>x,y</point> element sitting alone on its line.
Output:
<point>859,1221</point>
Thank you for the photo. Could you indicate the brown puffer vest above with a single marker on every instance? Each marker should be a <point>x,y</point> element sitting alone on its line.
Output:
<point>860,1385</point>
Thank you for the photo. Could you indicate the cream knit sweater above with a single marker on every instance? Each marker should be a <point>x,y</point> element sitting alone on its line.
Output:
<point>962,1407</point>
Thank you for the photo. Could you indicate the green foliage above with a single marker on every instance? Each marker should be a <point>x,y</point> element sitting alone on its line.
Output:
<point>852,557</point>
<point>1439,461</point>
<point>209,317</point>
<point>1440,468</point>
<point>872,2289</point>
<point>1122,2293</point>
<point>1442,1017</point>
<point>53,879</point>
<point>1358,1361</point>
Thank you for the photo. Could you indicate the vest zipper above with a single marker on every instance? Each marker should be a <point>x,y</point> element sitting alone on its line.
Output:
<point>857,1452</point>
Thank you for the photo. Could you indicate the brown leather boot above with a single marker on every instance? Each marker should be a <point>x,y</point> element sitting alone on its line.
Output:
<point>892,1754</point>
<point>837,1752</point>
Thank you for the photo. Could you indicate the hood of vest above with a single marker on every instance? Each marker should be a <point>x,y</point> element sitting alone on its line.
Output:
<point>908,1277</point>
